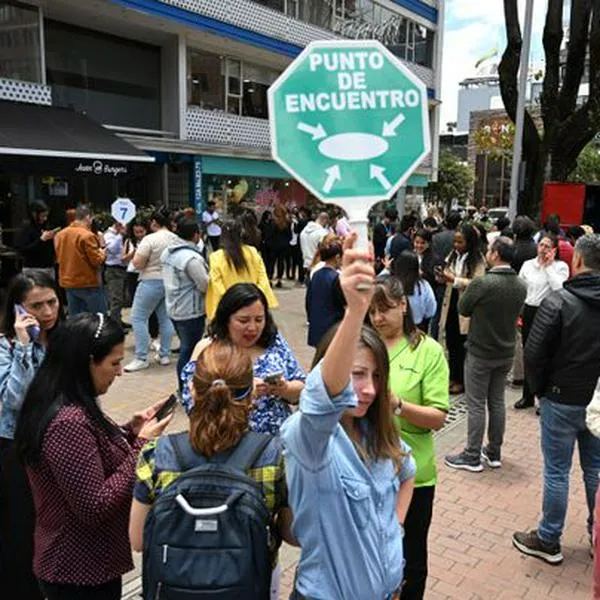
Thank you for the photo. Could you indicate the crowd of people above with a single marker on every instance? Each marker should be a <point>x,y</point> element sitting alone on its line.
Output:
<point>339,461</point>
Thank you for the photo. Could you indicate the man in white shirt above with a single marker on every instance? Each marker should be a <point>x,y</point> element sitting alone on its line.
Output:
<point>115,273</point>
<point>543,275</point>
<point>211,220</point>
<point>311,236</point>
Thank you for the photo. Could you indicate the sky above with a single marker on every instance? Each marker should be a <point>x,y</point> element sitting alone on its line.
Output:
<point>474,28</point>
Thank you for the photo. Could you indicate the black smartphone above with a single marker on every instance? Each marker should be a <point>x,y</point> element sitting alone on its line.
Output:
<point>166,408</point>
<point>273,378</point>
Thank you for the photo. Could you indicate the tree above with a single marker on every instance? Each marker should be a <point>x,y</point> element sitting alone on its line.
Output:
<point>455,180</point>
<point>588,166</point>
<point>551,152</point>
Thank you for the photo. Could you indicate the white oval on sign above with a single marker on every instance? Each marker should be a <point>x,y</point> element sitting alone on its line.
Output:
<point>353,146</point>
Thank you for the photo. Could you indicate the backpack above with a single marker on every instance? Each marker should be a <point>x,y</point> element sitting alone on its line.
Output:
<point>207,535</point>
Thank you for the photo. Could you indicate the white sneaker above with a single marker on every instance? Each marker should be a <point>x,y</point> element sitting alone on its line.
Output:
<point>164,361</point>
<point>136,365</point>
<point>155,345</point>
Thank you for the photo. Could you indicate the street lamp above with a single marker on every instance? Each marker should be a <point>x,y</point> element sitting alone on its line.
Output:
<point>518,142</point>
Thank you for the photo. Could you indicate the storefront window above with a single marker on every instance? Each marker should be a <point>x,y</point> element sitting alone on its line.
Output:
<point>205,81</point>
<point>232,193</point>
<point>20,48</point>
<point>113,80</point>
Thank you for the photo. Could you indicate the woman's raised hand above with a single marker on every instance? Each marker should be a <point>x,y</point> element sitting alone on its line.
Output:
<point>357,278</point>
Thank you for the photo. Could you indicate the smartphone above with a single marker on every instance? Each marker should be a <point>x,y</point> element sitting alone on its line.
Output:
<point>32,330</point>
<point>167,407</point>
<point>273,378</point>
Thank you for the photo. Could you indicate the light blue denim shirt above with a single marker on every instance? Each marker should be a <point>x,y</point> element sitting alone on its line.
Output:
<point>18,364</point>
<point>344,510</point>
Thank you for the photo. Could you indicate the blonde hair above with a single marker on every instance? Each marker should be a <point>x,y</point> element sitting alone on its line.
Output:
<point>222,390</point>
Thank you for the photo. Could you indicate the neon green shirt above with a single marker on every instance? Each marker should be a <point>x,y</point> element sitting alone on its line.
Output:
<point>421,377</point>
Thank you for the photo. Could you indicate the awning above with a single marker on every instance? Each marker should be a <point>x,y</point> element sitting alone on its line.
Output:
<point>29,130</point>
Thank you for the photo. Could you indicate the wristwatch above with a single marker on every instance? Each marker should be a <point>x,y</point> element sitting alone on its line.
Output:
<point>398,409</point>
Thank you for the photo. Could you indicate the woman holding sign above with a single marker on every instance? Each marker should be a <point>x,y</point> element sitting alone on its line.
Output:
<point>350,479</point>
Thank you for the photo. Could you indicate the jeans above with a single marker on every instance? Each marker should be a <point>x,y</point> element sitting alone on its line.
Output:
<point>150,297</point>
<point>485,380</point>
<point>116,279</point>
<point>189,332</point>
<point>416,530</point>
<point>111,590</point>
<point>92,300</point>
<point>561,425</point>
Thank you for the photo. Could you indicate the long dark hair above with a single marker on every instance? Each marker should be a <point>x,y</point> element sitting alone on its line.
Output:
<point>239,296</point>
<point>474,257</point>
<point>231,242</point>
<point>388,294</point>
<point>382,437</point>
<point>64,379</point>
<point>18,289</point>
<point>406,268</point>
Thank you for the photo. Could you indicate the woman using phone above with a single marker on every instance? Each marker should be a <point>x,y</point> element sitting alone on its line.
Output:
<point>243,318</point>
<point>31,313</point>
<point>543,275</point>
<point>350,478</point>
<point>80,463</point>
<point>463,264</point>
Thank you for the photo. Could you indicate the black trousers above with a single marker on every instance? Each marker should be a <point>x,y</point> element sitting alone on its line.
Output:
<point>111,590</point>
<point>416,530</point>
<point>529,313</point>
<point>294,262</point>
<point>455,342</point>
<point>17,523</point>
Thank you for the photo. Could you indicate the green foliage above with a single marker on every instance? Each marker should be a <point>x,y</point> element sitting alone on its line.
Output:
<point>588,166</point>
<point>455,180</point>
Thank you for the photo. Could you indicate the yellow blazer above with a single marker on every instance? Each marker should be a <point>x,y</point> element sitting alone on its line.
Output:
<point>222,275</point>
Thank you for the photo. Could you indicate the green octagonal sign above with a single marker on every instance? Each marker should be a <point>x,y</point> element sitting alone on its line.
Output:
<point>349,121</point>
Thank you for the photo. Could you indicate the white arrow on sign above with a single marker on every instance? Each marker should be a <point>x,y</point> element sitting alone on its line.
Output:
<point>333,175</point>
<point>317,132</point>
<point>376,172</point>
<point>389,129</point>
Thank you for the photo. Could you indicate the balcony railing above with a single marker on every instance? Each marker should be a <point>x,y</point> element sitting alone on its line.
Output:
<point>224,129</point>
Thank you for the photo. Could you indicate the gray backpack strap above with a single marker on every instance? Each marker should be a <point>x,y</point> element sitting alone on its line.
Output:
<point>248,450</point>
<point>186,457</point>
<point>241,457</point>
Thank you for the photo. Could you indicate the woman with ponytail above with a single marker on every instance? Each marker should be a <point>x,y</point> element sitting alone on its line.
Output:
<point>221,391</point>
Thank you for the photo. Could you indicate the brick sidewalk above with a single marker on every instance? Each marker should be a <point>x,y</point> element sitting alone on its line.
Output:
<point>475,515</point>
<point>471,555</point>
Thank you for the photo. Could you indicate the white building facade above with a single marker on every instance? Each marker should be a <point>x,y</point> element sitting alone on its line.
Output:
<point>185,82</point>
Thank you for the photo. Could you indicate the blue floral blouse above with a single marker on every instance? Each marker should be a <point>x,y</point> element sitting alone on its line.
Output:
<point>269,411</point>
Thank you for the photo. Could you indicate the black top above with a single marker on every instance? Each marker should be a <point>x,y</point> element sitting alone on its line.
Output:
<point>36,254</point>
<point>563,346</point>
<point>325,303</point>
